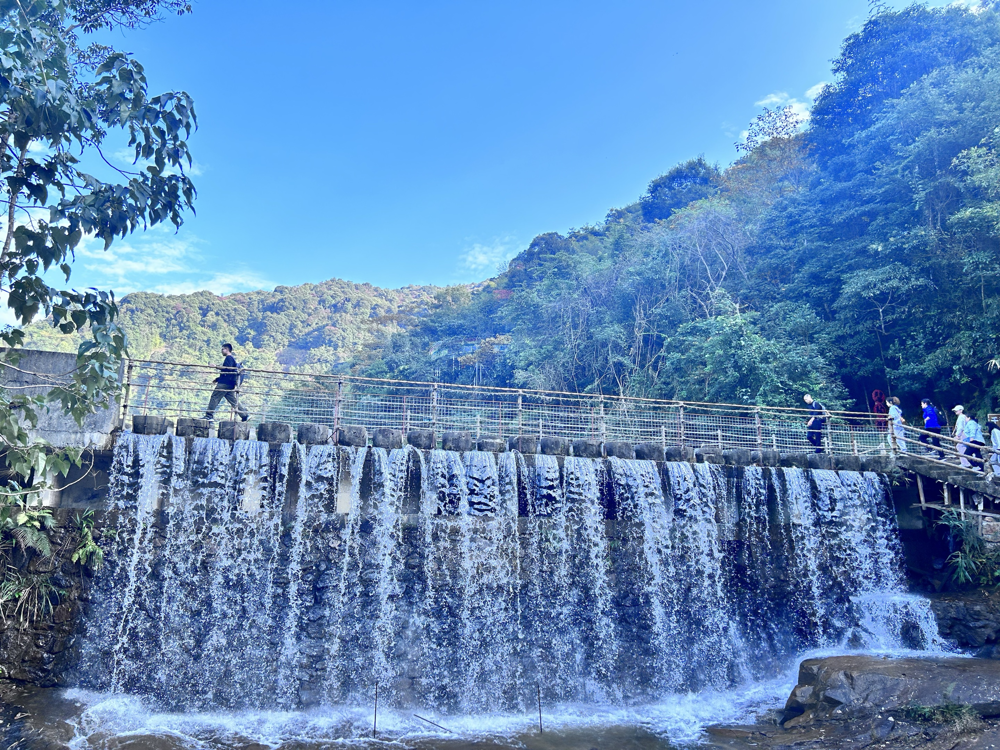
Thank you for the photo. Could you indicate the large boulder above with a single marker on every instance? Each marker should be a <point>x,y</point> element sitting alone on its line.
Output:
<point>846,685</point>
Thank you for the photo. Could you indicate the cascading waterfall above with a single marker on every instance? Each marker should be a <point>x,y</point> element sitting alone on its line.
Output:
<point>244,575</point>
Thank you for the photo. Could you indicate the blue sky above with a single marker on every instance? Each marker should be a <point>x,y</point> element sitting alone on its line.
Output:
<point>426,143</point>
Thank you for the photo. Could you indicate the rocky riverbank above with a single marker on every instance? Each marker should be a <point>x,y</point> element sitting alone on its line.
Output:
<point>37,626</point>
<point>855,702</point>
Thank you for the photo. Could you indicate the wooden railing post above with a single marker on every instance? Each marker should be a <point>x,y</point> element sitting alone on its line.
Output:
<point>680,421</point>
<point>760,427</point>
<point>434,407</point>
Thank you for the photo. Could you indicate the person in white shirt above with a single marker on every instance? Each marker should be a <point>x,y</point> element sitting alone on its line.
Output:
<point>896,415</point>
<point>959,434</point>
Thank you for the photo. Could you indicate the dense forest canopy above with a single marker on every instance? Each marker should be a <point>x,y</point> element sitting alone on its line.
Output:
<point>855,251</point>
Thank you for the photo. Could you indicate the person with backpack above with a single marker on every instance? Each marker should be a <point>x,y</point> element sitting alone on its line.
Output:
<point>932,423</point>
<point>226,384</point>
<point>898,431</point>
<point>814,424</point>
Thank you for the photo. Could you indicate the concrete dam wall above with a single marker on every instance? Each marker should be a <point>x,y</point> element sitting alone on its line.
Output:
<point>250,575</point>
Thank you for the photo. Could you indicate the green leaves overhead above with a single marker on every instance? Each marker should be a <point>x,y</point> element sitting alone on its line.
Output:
<point>59,102</point>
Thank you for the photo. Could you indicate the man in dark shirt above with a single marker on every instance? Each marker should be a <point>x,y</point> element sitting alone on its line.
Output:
<point>225,385</point>
<point>814,425</point>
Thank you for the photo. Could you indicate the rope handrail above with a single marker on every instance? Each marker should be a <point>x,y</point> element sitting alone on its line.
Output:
<point>797,412</point>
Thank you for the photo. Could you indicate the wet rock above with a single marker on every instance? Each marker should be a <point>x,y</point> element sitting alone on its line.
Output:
<point>424,440</point>
<point>229,430</point>
<point>770,458</point>
<point>970,618</point>
<point>650,452</point>
<point>387,438</point>
<point>491,445</point>
<point>274,432</point>
<point>456,440</point>
<point>674,453</point>
<point>352,436</point>
<point>194,427</point>
<point>149,425</point>
<point>555,446</point>
<point>619,449</point>
<point>313,434</point>
<point>795,460</point>
<point>587,448</point>
<point>523,444</point>
<point>859,684</point>
<point>737,457</point>
<point>847,463</point>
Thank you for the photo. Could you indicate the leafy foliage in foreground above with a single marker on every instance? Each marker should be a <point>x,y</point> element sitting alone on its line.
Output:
<point>60,102</point>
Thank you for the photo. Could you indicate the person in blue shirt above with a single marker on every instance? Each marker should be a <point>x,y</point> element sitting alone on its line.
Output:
<point>932,423</point>
<point>974,436</point>
<point>225,386</point>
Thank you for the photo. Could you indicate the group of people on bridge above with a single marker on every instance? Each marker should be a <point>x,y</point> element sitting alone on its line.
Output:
<point>967,431</point>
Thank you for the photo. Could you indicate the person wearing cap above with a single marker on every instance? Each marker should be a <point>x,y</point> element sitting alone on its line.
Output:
<point>959,434</point>
<point>896,416</point>
<point>932,423</point>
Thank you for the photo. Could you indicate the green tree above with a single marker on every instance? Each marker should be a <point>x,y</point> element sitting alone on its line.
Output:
<point>60,102</point>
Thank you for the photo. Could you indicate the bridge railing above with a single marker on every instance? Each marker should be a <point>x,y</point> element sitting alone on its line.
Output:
<point>175,390</point>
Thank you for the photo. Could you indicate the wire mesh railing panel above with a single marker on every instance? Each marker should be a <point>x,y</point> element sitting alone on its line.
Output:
<point>176,390</point>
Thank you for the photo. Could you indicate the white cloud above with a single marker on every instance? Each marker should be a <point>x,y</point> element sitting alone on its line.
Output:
<point>157,260</point>
<point>220,283</point>
<point>816,90</point>
<point>781,100</point>
<point>480,258</point>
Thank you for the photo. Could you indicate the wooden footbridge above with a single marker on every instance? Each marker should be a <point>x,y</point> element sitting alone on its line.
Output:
<point>181,390</point>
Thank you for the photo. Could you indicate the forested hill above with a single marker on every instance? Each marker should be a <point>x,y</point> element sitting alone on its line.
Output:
<point>859,250</point>
<point>318,327</point>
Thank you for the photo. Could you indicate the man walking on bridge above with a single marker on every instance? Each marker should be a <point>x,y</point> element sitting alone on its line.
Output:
<point>225,385</point>
<point>814,425</point>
